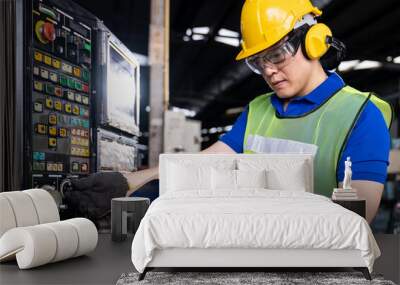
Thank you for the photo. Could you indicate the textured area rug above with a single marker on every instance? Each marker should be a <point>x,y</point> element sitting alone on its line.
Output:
<point>230,278</point>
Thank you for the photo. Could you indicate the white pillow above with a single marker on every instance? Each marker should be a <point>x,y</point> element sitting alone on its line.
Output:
<point>182,177</point>
<point>185,175</point>
<point>282,173</point>
<point>223,179</point>
<point>251,178</point>
<point>291,178</point>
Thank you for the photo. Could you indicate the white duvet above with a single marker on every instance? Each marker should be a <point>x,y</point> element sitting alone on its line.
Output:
<point>250,219</point>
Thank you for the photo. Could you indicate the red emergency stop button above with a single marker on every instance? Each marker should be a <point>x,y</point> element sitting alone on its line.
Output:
<point>48,31</point>
<point>45,31</point>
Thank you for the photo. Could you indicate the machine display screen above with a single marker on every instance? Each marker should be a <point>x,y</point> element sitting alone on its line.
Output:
<point>122,91</point>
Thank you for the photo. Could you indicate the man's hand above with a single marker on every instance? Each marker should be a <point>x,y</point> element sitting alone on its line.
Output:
<point>372,193</point>
<point>218,148</point>
<point>139,178</point>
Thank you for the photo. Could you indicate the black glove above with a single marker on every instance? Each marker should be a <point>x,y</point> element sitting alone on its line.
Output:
<point>91,196</point>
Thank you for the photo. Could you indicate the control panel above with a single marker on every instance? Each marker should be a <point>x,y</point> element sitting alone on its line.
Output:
<point>61,95</point>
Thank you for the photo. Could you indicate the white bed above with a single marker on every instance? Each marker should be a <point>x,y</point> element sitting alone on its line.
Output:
<point>201,219</point>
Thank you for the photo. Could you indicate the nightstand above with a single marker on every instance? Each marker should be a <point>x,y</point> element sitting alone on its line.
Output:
<point>357,206</point>
<point>126,214</point>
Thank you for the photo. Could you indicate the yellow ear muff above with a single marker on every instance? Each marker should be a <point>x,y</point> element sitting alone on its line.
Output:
<point>315,42</point>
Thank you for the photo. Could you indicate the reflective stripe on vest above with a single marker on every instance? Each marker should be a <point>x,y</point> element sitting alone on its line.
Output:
<point>327,127</point>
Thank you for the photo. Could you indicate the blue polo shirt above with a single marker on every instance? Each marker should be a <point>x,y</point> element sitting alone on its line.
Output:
<point>368,144</point>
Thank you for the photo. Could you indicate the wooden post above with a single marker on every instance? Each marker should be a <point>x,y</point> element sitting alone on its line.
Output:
<point>159,75</point>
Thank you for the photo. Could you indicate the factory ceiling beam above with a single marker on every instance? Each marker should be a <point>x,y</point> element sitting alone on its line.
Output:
<point>159,75</point>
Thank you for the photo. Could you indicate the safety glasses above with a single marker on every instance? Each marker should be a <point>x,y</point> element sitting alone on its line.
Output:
<point>276,57</point>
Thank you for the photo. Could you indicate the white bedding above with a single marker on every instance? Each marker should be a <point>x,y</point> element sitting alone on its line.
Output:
<point>250,219</point>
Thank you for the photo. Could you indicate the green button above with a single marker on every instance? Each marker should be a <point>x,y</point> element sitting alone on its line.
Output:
<point>85,75</point>
<point>71,83</point>
<point>50,89</point>
<point>78,85</point>
<point>87,46</point>
<point>63,80</point>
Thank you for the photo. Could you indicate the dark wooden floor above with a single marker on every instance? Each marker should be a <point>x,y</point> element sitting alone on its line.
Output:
<point>110,260</point>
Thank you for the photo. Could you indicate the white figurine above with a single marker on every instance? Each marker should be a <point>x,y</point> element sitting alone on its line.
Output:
<point>347,174</point>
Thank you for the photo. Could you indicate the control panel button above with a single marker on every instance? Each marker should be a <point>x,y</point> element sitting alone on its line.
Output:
<point>52,142</point>
<point>70,95</point>
<point>70,82</point>
<point>85,88</point>
<point>64,119</point>
<point>77,71</point>
<point>52,119</point>
<point>62,132</point>
<point>39,166</point>
<point>49,103</point>
<point>78,86</point>
<point>84,112</point>
<point>78,98</point>
<point>76,151</point>
<point>63,80</point>
<point>38,56</point>
<point>48,31</point>
<point>56,63</point>
<point>85,100</point>
<point>68,108</point>
<point>51,167</point>
<point>54,77</point>
<point>75,166</point>
<point>48,60</point>
<point>75,110</point>
<point>58,91</point>
<point>37,155</point>
<point>85,75</point>
<point>38,86</point>
<point>74,122</point>
<point>53,131</point>
<point>49,88</point>
<point>66,67</point>
<point>58,105</point>
<point>38,107</point>
<point>40,129</point>
<point>84,167</point>
<point>36,70</point>
<point>60,167</point>
<point>44,73</point>
<point>74,141</point>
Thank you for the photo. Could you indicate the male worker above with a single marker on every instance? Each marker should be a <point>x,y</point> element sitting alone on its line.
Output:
<point>308,106</point>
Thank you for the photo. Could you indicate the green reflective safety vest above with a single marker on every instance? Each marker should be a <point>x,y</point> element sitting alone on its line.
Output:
<point>328,127</point>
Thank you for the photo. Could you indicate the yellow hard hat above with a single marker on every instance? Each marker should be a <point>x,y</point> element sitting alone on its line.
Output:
<point>265,22</point>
